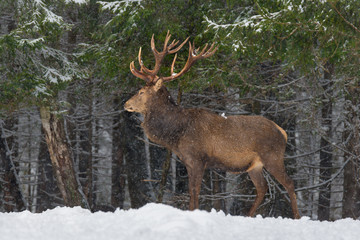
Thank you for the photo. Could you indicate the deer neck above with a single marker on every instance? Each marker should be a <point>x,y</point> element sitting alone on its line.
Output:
<point>164,121</point>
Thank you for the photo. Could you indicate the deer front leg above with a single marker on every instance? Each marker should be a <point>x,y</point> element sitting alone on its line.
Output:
<point>195,175</point>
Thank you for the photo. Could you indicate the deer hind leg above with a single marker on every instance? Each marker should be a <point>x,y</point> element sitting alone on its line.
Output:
<point>261,186</point>
<point>280,175</point>
<point>195,175</point>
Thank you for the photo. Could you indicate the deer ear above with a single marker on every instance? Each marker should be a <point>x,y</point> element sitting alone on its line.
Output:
<point>158,85</point>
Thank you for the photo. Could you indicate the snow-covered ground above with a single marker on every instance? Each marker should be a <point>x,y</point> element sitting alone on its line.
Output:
<point>158,221</point>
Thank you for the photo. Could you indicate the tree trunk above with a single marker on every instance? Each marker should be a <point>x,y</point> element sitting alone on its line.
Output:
<point>325,147</point>
<point>47,187</point>
<point>219,186</point>
<point>351,194</point>
<point>61,158</point>
<point>85,155</point>
<point>13,197</point>
<point>139,190</point>
<point>117,170</point>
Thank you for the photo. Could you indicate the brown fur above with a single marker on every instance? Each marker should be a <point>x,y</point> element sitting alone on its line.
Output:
<point>202,139</point>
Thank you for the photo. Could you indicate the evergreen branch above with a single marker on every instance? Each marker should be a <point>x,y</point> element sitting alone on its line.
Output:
<point>338,12</point>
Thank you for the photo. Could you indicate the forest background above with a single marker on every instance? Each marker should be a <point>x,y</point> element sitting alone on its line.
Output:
<point>64,77</point>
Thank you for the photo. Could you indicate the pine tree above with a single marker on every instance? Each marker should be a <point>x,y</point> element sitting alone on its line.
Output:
<point>35,69</point>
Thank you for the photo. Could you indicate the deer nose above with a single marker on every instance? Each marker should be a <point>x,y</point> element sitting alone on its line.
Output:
<point>128,108</point>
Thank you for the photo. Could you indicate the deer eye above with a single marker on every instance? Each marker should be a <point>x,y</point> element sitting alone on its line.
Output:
<point>141,93</point>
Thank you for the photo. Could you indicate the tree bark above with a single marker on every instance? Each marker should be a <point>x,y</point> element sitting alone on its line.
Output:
<point>13,197</point>
<point>139,190</point>
<point>351,192</point>
<point>164,175</point>
<point>85,156</point>
<point>117,170</point>
<point>47,187</point>
<point>325,146</point>
<point>61,158</point>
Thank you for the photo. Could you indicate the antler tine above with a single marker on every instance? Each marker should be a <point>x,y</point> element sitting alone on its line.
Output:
<point>202,51</point>
<point>172,65</point>
<point>172,44</point>
<point>179,47</point>
<point>211,51</point>
<point>167,38</point>
<point>153,48</point>
<point>206,53</point>
<point>138,73</point>
<point>195,50</point>
<point>139,58</point>
<point>145,69</point>
<point>192,58</point>
<point>158,59</point>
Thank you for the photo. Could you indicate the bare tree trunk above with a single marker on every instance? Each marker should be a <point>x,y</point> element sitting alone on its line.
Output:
<point>61,158</point>
<point>48,190</point>
<point>139,190</point>
<point>325,147</point>
<point>219,186</point>
<point>351,195</point>
<point>13,197</point>
<point>85,155</point>
<point>117,170</point>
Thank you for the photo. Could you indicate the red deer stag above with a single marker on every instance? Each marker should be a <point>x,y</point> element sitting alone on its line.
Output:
<point>202,139</point>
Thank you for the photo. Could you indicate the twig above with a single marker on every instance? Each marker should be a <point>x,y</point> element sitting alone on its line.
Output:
<point>338,12</point>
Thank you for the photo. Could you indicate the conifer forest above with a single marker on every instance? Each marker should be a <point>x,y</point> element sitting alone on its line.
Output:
<point>66,139</point>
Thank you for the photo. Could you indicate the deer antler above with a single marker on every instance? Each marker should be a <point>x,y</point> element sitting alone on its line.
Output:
<point>151,77</point>
<point>192,58</point>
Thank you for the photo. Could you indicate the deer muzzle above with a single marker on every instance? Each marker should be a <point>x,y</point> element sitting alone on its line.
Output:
<point>128,107</point>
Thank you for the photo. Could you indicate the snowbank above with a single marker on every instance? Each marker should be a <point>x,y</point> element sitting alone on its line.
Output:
<point>158,221</point>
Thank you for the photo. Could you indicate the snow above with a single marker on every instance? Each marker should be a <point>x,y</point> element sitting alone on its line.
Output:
<point>158,221</point>
<point>117,5</point>
<point>31,42</point>
<point>77,1</point>
<point>49,15</point>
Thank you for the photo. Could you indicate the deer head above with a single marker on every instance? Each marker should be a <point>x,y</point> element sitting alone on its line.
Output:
<point>138,103</point>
